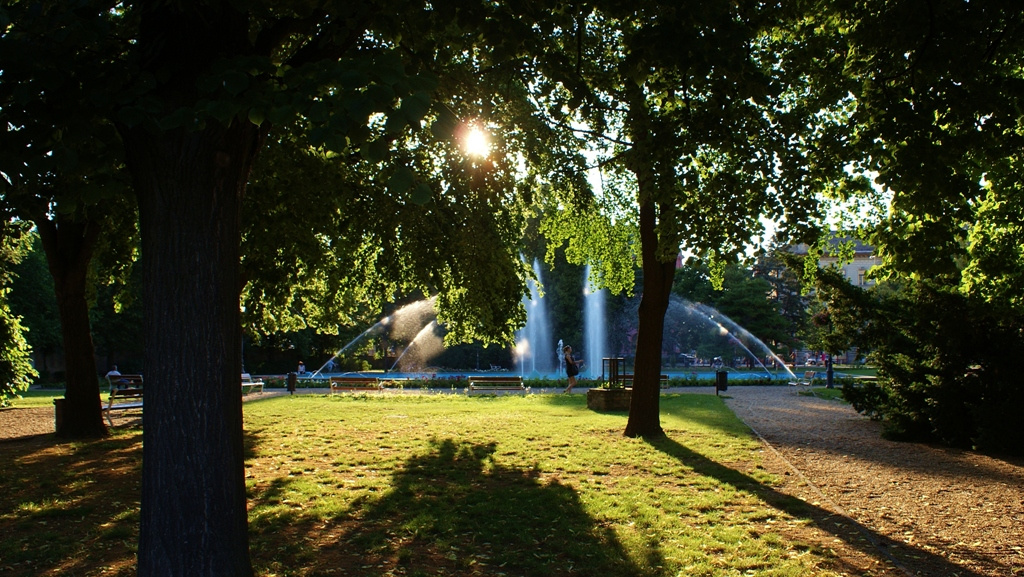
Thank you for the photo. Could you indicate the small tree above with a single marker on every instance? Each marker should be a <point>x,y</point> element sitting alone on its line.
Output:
<point>16,372</point>
<point>701,133</point>
<point>32,299</point>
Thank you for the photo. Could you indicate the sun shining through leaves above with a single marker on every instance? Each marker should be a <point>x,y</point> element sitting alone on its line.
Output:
<point>477,142</point>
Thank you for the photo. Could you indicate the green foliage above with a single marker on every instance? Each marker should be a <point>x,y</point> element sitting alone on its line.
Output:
<point>867,398</point>
<point>744,298</point>
<point>785,291</point>
<point>16,371</point>
<point>32,298</point>
<point>693,283</point>
<point>946,363</point>
<point>694,138</point>
<point>590,236</point>
<point>116,318</point>
<point>995,270</point>
<point>932,103</point>
<point>749,296</point>
<point>389,207</point>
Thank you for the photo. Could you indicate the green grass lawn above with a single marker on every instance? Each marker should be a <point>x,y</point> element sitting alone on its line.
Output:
<point>440,485</point>
<point>37,398</point>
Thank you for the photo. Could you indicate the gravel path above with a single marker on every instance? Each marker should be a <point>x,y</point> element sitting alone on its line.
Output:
<point>892,509</point>
<point>19,423</point>
<point>928,510</point>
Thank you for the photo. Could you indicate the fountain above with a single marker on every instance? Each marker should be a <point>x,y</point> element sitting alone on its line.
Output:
<point>534,339</point>
<point>405,323</point>
<point>561,357</point>
<point>594,327</point>
<point>415,326</point>
<point>691,326</point>
<point>737,334</point>
<point>428,343</point>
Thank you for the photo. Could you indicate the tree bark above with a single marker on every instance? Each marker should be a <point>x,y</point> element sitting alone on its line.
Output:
<point>69,245</point>
<point>189,186</point>
<point>644,408</point>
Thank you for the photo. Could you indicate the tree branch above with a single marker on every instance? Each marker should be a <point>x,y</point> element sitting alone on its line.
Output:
<point>589,132</point>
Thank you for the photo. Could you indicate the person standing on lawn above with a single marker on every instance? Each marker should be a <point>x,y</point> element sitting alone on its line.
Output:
<point>571,368</point>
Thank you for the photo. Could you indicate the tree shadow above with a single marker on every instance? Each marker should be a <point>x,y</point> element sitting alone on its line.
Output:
<point>852,533</point>
<point>917,456</point>
<point>69,507</point>
<point>455,511</point>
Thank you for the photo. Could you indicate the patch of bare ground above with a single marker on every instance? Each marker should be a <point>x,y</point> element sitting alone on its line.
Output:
<point>927,510</point>
<point>20,423</point>
<point>24,422</point>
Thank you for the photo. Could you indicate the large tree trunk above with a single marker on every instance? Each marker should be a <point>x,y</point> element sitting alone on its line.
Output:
<point>644,408</point>
<point>69,246</point>
<point>189,187</point>
<point>189,183</point>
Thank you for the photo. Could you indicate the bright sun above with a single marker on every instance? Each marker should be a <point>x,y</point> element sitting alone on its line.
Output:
<point>477,143</point>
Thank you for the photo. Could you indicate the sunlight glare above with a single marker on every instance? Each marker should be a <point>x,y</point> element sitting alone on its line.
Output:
<point>477,143</point>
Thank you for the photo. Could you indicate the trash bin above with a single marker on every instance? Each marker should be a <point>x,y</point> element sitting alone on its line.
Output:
<point>721,381</point>
<point>293,380</point>
<point>58,416</point>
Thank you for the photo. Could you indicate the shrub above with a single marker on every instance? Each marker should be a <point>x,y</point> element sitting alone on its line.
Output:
<point>946,364</point>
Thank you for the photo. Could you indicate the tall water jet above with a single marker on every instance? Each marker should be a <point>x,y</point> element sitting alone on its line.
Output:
<point>561,357</point>
<point>594,327</point>
<point>533,341</point>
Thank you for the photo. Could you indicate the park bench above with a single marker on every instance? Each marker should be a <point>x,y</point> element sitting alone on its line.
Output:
<point>342,384</point>
<point>806,381</point>
<point>251,385</point>
<point>627,380</point>
<point>125,393</point>
<point>863,380</point>
<point>493,383</point>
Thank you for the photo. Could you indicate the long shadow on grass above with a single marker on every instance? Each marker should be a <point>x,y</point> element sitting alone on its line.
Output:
<point>67,508</point>
<point>853,533</point>
<point>455,511</point>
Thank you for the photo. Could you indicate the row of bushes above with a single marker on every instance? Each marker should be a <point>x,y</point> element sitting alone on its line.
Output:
<point>462,382</point>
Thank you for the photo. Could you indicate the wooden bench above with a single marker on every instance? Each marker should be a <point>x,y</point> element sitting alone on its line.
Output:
<point>125,393</point>
<point>251,385</point>
<point>627,380</point>
<point>502,383</point>
<point>342,384</point>
<point>804,382</point>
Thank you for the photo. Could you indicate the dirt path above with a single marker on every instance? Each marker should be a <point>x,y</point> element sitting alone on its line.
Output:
<point>19,423</point>
<point>930,510</point>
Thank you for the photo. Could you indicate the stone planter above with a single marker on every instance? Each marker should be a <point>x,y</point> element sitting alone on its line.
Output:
<point>608,399</point>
